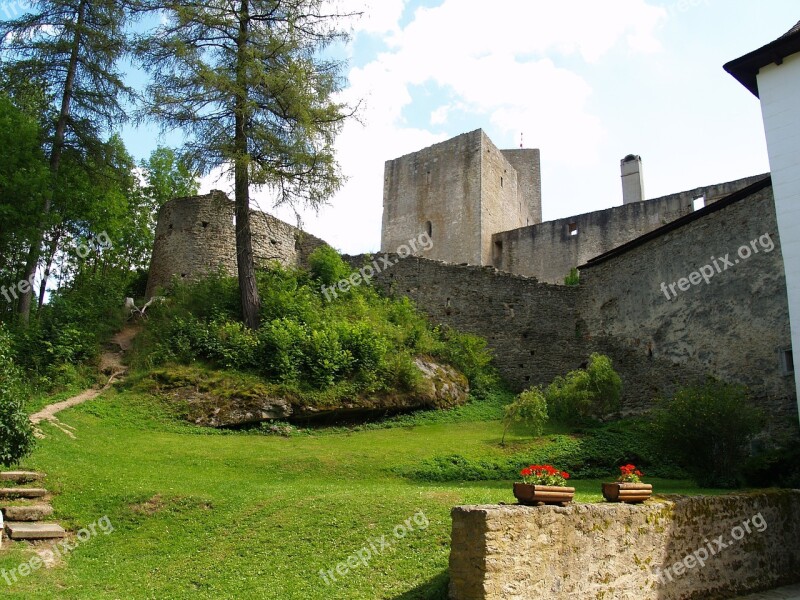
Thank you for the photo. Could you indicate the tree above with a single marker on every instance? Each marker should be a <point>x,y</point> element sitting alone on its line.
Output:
<point>167,177</point>
<point>70,48</point>
<point>528,408</point>
<point>247,82</point>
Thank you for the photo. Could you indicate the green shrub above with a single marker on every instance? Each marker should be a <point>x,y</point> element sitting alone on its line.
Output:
<point>470,354</point>
<point>775,467</point>
<point>584,395</point>
<point>707,429</point>
<point>327,266</point>
<point>573,278</point>
<point>281,349</point>
<point>530,409</point>
<point>16,432</point>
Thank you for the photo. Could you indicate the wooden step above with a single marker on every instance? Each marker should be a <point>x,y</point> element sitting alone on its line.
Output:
<point>29,512</point>
<point>20,476</point>
<point>11,493</point>
<point>34,531</point>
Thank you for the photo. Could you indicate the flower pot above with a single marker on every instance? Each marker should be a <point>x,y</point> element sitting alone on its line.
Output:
<point>533,495</point>
<point>627,492</point>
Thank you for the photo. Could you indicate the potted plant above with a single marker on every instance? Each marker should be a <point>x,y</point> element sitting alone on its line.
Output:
<point>543,484</point>
<point>628,487</point>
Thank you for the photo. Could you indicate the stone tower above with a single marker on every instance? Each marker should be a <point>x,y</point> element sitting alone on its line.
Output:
<point>460,192</point>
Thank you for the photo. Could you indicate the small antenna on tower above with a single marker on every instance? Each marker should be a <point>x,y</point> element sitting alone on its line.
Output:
<point>520,139</point>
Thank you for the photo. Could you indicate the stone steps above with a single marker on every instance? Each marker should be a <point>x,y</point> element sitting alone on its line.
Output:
<point>29,512</point>
<point>18,530</point>
<point>21,476</point>
<point>22,508</point>
<point>19,492</point>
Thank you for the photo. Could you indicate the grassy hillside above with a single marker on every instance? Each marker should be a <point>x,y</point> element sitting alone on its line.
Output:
<point>204,514</point>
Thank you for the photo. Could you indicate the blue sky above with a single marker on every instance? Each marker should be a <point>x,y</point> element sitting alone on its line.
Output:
<point>586,82</point>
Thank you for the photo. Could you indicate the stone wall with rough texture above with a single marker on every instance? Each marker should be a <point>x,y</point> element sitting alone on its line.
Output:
<point>532,327</point>
<point>195,236</point>
<point>610,551</point>
<point>734,327</point>
<point>460,191</point>
<point>549,250</point>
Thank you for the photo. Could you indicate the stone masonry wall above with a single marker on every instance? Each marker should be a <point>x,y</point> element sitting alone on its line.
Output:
<point>549,250</point>
<point>623,552</point>
<point>532,327</point>
<point>461,191</point>
<point>734,327</point>
<point>195,236</point>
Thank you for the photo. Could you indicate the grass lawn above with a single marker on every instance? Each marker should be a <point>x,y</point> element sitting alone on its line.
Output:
<point>199,514</point>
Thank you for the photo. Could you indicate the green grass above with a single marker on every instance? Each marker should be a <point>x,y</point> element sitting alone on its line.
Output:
<point>202,514</point>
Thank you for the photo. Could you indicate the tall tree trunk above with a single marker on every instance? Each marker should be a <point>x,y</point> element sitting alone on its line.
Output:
<point>244,245</point>
<point>24,308</point>
<point>51,253</point>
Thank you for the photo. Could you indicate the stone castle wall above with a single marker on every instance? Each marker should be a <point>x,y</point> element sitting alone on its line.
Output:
<point>651,551</point>
<point>195,236</point>
<point>460,191</point>
<point>734,328</point>
<point>549,250</point>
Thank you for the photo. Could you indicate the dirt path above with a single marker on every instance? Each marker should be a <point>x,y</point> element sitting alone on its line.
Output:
<point>110,364</point>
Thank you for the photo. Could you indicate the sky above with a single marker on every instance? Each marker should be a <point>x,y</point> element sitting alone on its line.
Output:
<point>586,82</point>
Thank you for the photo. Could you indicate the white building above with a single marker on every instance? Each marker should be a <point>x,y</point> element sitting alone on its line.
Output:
<point>772,74</point>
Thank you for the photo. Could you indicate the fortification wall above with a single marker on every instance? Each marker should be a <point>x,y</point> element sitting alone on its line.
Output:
<point>549,250</point>
<point>195,236</point>
<point>532,327</point>
<point>734,327</point>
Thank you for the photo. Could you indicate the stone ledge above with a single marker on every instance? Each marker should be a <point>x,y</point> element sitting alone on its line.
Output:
<point>627,551</point>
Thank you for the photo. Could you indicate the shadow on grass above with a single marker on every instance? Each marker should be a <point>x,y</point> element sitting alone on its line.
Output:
<point>433,589</point>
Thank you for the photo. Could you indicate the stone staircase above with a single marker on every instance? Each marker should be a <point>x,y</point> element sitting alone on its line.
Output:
<point>25,506</point>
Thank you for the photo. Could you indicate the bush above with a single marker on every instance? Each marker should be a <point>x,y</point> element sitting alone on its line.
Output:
<point>16,432</point>
<point>573,278</point>
<point>470,354</point>
<point>707,429</point>
<point>528,408</point>
<point>585,395</point>
<point>779,467</point>
<point>327,266</point>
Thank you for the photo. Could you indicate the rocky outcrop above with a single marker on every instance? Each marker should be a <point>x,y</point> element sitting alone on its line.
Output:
<point>227,400</point>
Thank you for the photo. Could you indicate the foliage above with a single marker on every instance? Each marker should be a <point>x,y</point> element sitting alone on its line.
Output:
<point>544,475</point>
<point>530,409</point>
<point>359,343</point>
<point>707,428</point>
<point>471,355</point>
<point>588,456</point>
<point>586,394</point>
<point>629,474</point>
<point>327,266</point>
<point>777,466</point>
<point>573,278</point>
<point>16,432</point>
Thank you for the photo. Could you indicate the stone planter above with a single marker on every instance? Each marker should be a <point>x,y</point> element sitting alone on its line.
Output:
<point>627,492</point>
<point>533,495</point>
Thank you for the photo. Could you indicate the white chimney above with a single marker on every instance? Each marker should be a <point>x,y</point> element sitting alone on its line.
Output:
<point>632,179</point>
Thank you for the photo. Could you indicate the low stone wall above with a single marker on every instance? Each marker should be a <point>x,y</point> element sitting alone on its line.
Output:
<point>746,542</point>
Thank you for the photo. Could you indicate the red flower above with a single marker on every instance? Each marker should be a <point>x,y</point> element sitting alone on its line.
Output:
<point>638,473</point>
<point>565,475</point>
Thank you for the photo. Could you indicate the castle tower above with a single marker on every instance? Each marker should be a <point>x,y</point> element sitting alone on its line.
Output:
<point>460,192</point>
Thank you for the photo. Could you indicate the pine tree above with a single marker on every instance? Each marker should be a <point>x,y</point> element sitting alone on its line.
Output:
<point>248,83</point>
<point>71,49</point>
